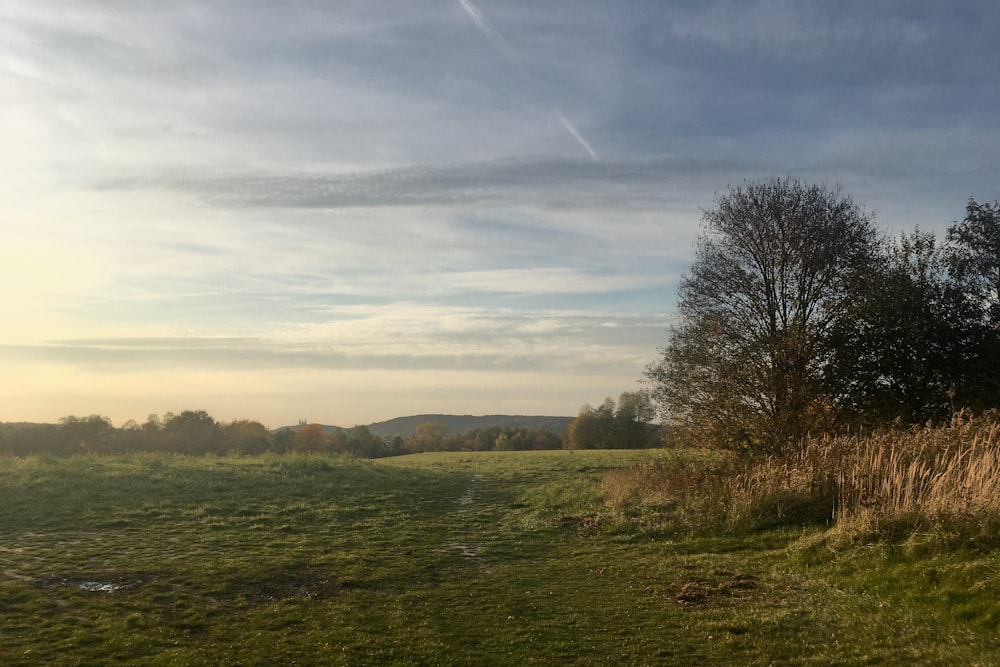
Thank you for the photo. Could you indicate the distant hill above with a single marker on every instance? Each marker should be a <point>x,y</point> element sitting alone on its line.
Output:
<point>406,426</point>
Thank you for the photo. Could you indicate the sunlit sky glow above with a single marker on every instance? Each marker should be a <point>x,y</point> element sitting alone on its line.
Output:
<point>350,211</point>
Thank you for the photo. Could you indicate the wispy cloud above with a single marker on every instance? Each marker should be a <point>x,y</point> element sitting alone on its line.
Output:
<point>535,181</point>
<point>401,336</point>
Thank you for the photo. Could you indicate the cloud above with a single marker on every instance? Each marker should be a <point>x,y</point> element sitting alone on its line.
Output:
<point>844,36</point>
<point>329,190</point>
<point>557,182</point>
<point>559,280</point>
<point>206,87</point>
<point>878,167</point>
<point>401,336</point>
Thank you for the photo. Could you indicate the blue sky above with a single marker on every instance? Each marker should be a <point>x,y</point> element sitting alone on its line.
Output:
<point>350,211</point>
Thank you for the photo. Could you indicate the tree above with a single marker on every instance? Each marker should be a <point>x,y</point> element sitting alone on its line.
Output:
<point>776,267</point>
<point>192,432</point>
<point>485,438</point>
<point>129,438</point>
<point>283,440</point>
<point>612,426</point>
<point>311,438</point>
<point>428,437</point>
<point>86,434</point>
<point>633,415</point>
<point>976,245</point>
<point>976,241</point>
<point>901,353</point>
<point>584,432</point>
<point>358,440</point>
<point>542,438</point>
<point>245,437</point>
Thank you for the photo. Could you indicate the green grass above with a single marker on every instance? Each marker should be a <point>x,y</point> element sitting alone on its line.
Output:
<point>505,558</point>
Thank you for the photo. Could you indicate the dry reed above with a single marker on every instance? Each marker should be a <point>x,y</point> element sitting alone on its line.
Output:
<point>941,481</point>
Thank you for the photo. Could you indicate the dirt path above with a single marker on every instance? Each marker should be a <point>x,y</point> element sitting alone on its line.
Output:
<point>473,507</point>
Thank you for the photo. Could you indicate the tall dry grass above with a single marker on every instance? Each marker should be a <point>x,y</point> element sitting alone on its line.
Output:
<point>942,481</point>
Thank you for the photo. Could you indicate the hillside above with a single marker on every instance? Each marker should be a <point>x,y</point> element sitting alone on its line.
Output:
<point>405,426</point>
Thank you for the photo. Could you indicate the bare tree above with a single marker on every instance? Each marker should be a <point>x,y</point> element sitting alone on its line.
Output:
<point>775,268</point>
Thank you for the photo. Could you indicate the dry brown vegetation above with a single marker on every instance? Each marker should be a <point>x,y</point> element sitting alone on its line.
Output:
<point>938,483</point>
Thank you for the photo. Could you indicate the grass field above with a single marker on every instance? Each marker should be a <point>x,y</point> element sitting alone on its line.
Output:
<point>504,558</point>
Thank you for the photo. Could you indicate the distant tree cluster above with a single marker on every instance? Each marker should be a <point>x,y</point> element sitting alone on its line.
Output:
<point>437,437</point>
<point>313,438</point>
<point>797,317</point>
<point>195,432</point>
<point>192,432</point>
<point>626,424</point>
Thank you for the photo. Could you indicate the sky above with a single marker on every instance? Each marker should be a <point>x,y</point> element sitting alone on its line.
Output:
<point>349,211</point>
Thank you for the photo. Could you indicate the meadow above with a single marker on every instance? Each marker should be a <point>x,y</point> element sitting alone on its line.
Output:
<point>489,558</point>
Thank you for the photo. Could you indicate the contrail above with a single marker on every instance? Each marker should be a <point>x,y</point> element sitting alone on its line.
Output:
<point>571,128</point>
<point>485,27</point>
<point>508,52</point>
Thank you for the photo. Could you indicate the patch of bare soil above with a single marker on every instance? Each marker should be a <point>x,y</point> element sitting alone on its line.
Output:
<point>718,586</point>
<point>306,584</point>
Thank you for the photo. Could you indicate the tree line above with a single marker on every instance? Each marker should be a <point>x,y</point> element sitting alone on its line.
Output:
<point>799,317</point>
<point>195,432</point>
<point>187,432</point>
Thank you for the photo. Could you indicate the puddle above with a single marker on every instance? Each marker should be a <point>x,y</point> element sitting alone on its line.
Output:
<point>102,586</point>
<point>99,586</point>
<point>464,550</point>
<point>468,497</point>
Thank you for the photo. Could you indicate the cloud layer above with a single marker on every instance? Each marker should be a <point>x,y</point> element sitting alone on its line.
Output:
<point>359,209</point>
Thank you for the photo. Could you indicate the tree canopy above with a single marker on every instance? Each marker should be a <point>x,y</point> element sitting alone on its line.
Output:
<point>775,269</point>
<point>622,425</point>
<point>798,317</point>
